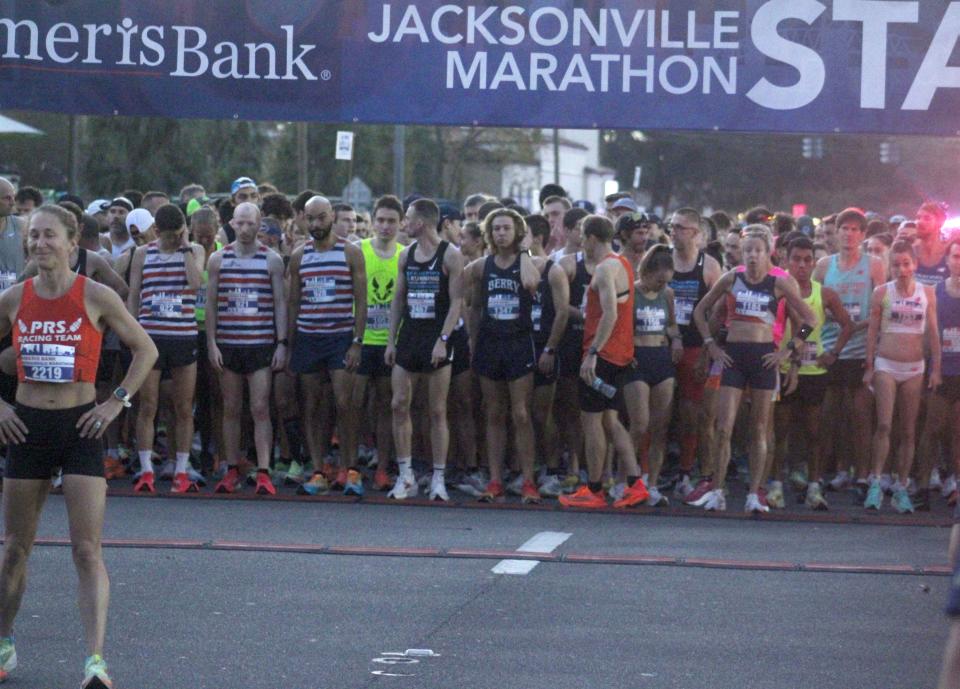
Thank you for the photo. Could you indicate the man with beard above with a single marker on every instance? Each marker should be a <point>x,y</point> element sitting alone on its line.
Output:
<point>327,317</point>
<point>120,239</point>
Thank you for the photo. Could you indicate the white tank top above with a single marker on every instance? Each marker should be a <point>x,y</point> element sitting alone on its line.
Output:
<point>904,315</point>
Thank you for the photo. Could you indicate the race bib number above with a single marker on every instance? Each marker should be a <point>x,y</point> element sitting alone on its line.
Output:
<point>536,315</point>
<point>503,307</point>
<point>322,290</point>
<point>951,340</point>
<point>202,298</point>
<point>752,304</point>
<point>809,355</point>
<point>378,316</point>
<point>684,309</point>
<point>423,305</point>
<point>48,363</point>
<point>853,310</point>
<point>166,305</point>
<point>243,302</point>
<point>651,320</point>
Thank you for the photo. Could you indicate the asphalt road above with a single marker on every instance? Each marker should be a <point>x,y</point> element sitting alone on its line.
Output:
<point>206,596</point>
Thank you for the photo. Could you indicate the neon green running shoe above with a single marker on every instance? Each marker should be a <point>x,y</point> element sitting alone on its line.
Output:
<point>95,674</point>
<point>8,657</point>
<point>294,473</point>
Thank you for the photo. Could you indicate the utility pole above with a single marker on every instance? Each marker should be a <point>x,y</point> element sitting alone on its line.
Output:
<point>399,160</point>
<point>556,156</point>
<point>73,155</point>
<point>302,181</point>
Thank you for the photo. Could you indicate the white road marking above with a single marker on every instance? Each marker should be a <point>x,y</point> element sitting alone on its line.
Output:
<point>543,542</point>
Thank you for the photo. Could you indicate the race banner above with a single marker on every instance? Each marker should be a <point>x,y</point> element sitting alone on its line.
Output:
<point>883,66</point>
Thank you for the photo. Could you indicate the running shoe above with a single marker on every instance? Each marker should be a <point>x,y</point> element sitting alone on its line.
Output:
<point>354,484</point>
<point>874,499</point>
<point>695,496</point>
<point>230,483</point>
<point>294,474</point>
<point>949,486</point>
<point>551,486</point>
<point>584,498</point>
<point>901,501</point>
<point>168,470</point>
<point>798,480</point>
<point>714,501</point>
<point>493,492</point>
<point>656,499</point>
<point>183,484</point>
<point>753,506</point>
<point>683,487</point>
<point>279,472</point>
<point>860,488</point>
<point>381,480</point>
<point>8,657</point>
<point>113,468</point>
<point>609,483</point>
<point>95,674</point>
<point>341,480</point>
<point>775,495</point>
<point>329,471</point>
<point>921,500</point>
<point>936,483</point>
<point>815,499</point>
<point>616,491</point>
<point>886,483</point>
<point>570,483</point>
<point>529,495</point>
<point>405,487</point>
<point>316,485</point>
<point>438,489</point>
<point>264,484</point>
<point>144,484</point>
<point>196,476</point>
<point>839,482</point>
<point>515,486</point>
<point>633,495</point>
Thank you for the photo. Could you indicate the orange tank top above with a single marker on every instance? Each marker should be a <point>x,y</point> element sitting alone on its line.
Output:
<point>54,338</point>
<point>619,348</point>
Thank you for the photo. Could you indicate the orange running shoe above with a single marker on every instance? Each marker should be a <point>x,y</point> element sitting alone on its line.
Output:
<point>144,484</point>
<point>633,495</point>
<point>113,468</point>
<point>230,483</point>
<point>493,493</point>
<point>183,484</point>
<point>529,495</point>
<point>341,479</point>
<point>584,498</point>
<point>264,485</point>
<point>381,480</point>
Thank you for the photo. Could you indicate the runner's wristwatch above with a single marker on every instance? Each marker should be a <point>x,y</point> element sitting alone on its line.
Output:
<point>124,396</point>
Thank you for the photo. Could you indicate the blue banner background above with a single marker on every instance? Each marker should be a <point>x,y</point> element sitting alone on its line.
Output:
<point>358,80</point>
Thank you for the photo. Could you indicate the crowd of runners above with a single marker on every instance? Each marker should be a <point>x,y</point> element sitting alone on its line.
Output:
<point>563,352</point>
<point>572,353</point>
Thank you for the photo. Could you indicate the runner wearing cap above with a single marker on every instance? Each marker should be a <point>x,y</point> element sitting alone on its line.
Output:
<point>56,423</point>
<point>242,190</point>
<point>500,291</point>
<point>423,315</point>
<point>327,315</point>
<point>164,278</point>
<point>903,317</point>
<point>119,235</point>
<point>246,340</point>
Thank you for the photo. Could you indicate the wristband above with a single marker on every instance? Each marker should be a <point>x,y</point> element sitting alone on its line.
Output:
<point>285,342</point>
<point>707,341</point>
<point>548,350</point>
<point>592,351</point>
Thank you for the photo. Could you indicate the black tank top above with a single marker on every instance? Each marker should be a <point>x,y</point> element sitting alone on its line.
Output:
<point>428,290</point>
<point>578,291</point>
<point>507,305</point>
<point>543,313</point>
<point>81,267</point>
<point>688,289</point>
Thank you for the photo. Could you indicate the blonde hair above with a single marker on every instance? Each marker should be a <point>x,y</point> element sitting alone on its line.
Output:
<point>519,227</point>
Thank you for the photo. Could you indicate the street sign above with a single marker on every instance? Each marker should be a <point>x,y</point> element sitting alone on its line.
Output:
<point>344,146</point>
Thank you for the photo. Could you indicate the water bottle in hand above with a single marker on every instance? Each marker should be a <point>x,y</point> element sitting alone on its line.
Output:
<point>604,389</point>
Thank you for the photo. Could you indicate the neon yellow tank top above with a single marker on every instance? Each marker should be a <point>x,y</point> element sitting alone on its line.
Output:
<point>381,284</point>
<point>813,347</point>
<point>200,310</point>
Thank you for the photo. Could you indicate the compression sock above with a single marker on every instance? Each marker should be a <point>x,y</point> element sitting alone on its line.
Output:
<point>146,464</point>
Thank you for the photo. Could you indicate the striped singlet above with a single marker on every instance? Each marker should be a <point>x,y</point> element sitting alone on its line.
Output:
<point>166,303</point>
<point>245,316</point>
<point>326,292</point>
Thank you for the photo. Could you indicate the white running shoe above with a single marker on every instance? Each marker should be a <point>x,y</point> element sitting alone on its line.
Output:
<point>840,482</point>
<point>515,487</point>
<point>616,491</point>
<point>753,504</point>
<point>949,486</point>
<point>714,501</point>
<point>775,495</point>
<point>405,487</point>
<point>815,499</point>
<point>168,469</point>
<point>438,491</point>
<point>656,499</point>
<point>936,483</point>
<point>195,476</point>
<point>683,488</point>
<point>551,486</point>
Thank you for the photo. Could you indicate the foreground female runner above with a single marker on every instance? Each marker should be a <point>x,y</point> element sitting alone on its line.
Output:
<point>58,319</point>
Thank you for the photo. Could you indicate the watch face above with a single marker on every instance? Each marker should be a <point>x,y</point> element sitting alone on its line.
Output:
<point>121,393</point>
